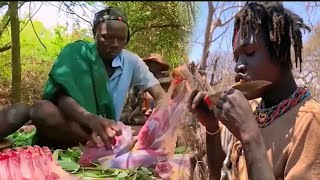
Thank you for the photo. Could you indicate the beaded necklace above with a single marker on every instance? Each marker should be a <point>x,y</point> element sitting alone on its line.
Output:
<point>266,116</point>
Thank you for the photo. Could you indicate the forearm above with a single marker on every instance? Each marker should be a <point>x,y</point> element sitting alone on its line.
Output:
<point>158,93</point>
<point>258,165</point>
<point>215,153</point>
<point>72,109</point>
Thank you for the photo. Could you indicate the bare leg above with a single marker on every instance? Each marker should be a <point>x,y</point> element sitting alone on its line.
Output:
<point>12,118</point>
<point>53,129</point>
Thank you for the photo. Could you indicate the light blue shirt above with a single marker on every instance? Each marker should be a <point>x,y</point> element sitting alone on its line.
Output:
<point>130,71</point>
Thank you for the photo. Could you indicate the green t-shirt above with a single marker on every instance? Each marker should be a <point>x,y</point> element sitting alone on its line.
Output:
<point>79,72</point>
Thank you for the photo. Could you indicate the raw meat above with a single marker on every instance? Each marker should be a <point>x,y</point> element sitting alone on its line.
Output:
<point>31,163</point>
<point>157,138</point>
<point>92,153</point>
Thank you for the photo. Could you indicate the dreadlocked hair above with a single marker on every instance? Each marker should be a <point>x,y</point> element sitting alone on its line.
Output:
<point>279,27</point>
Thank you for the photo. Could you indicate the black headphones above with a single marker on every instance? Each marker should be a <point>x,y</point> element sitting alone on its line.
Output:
<point>110,13</point>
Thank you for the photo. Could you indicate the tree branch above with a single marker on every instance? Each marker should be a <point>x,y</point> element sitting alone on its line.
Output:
<point>34,30</point>
<point>3,3</point>
<point>207,36</point>
<point>197,42</point>
<point>25,24</point>
<point>5,22</point>
<point>73,13</point>
<point>223,24</point>
<point>5,47</point>
<point>220,35</point>
<point>314,5</point>
<point>22,3</point>
<point>84,11</point>
<point>231,7</point>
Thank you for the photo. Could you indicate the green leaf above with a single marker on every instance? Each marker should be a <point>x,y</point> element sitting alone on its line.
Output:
<point>55,154</point>
<point>92,175</point>
<point>181,150</point>
<point>122,175</point>
<point>144,169</point>
<point>116,172</point>
<point>22,139</point>
<point>68,165</point>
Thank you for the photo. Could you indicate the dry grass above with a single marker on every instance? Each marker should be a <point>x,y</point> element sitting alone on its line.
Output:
<point>192,133</point>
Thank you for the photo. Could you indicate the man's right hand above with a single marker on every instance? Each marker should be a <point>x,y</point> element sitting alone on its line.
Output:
<point>197,106</point>
<point>103,130</point>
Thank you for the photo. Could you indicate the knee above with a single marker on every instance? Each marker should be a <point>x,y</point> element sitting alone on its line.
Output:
<point>17,113</point>
<point>41,111</point>
<point>38,109</point>
<point>22,109</point>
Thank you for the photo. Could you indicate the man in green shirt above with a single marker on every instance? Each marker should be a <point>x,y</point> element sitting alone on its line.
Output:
<point>88,84</point>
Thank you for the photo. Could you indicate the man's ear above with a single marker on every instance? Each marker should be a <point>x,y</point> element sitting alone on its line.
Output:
<point>94,32</point>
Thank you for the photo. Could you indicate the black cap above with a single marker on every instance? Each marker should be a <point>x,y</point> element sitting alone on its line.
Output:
<point>110,13</point>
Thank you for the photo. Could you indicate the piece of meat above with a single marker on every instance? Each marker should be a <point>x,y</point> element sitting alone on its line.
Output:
<point>156,139</point>
<point>163,170</point>
<point>91,154</point>
<point>31,163</point>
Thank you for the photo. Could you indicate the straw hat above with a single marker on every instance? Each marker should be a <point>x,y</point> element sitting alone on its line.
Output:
<point>157,60</point>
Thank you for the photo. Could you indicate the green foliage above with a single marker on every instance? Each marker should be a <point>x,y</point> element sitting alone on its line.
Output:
<point>68,159</point>
<point>22,139</point>
<point>36,60</point>
<point>159,27</point>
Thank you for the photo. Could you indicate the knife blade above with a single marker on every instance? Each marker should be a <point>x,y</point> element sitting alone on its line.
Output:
<point>251,90</point>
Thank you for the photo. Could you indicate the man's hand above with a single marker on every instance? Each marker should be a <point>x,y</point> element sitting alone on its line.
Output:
<point>103,130</point>
<point>205,116</point>
<point>235,112</point>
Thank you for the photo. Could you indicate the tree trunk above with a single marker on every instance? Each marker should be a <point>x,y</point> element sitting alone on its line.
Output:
<point>207,37</point>
<point>214,71</point>
<point>15,53</point>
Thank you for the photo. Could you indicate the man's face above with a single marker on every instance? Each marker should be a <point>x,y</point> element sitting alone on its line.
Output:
<point>111,38</point>
<point>253,61</point>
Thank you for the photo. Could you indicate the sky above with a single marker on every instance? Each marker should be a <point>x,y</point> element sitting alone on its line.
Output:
<point>50,17</point>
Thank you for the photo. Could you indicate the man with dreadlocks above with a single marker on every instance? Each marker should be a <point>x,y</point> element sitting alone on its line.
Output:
<point>280,138</point>
<point>87,86</point>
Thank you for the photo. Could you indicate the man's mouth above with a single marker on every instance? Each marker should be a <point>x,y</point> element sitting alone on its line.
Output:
<point>242,78</point>
<point>112,53</point>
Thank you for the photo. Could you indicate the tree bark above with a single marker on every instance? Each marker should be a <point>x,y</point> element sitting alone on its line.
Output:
<point>207,37</point>
<point>15,53</point>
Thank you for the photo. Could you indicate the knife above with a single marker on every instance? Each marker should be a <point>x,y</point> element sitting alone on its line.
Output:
<point>251,90</point>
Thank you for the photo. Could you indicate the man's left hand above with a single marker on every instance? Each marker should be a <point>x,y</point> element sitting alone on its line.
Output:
<point>235,112</point>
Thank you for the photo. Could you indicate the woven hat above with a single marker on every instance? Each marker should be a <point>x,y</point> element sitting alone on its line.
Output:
<point>156,59</point>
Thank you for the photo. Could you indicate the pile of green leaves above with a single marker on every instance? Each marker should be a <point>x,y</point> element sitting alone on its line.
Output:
<point>68,161</point>
<point>22,139</point>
